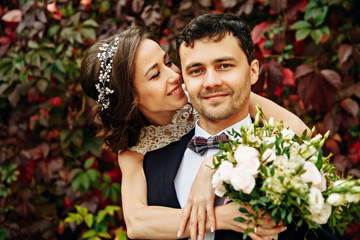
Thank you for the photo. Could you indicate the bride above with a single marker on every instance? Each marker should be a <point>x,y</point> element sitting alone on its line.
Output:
<point>142,107</point>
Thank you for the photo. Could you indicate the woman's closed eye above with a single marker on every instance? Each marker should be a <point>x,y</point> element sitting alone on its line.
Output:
<point>169,62</point>
<point>157,74</point>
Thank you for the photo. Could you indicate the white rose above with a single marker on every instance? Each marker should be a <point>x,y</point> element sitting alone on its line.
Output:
<point>287,134</point>
<point>316,200</point>
<point>269,155</point>
<point>216,180</point>
<point>322,184</point>
<point>248,159</point>
<point>335,199</point>
<point>220,190</point>
<point>225,171</point>
<point>242,180</point>
<point>311,174</point>
<point>323,216</point>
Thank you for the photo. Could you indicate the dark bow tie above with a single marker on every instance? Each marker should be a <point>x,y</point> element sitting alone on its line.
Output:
<point>201,145</point>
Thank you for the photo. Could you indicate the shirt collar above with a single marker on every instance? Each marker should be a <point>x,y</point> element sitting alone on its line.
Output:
<point>199,132</point>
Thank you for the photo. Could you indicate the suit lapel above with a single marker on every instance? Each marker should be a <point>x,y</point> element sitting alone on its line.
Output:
<point>175,155</point>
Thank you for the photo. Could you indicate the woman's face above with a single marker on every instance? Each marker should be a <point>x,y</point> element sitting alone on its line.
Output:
<point>157,81</point>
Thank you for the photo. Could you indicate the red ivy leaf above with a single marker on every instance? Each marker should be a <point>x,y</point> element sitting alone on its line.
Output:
<point>257,33</point>
<point>344,53</point>
<point>332,77</point>
<point>12,16</point>
<point>357,53</point>
<point>350,106</point>
<point>294,7</point>
<point>289,78</point>
<point>332,122</point>
<point>275,76</point>
<point>303,70</point>
<point>277,5</point>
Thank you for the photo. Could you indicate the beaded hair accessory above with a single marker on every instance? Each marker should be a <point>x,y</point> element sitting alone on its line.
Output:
<point>105,56</point>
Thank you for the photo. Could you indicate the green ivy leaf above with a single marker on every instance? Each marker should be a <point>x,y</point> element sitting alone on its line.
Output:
<point>88,234</point>
<point>32,44</point>
<point>82,210</point>
<point>89,220</point>
<point>89,23</point>
<point>325,30</point>
<point>316,35</point>
<point>104,235</point>
<point>53,30</point>
<point>89,162</point>
<point>88,33</point>
<point>300,25</point>
<point>100,216</point>
<point>301,34</point>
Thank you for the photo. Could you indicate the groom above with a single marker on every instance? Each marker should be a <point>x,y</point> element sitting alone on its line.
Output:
<point>218,68</point>
<point>216,53</point>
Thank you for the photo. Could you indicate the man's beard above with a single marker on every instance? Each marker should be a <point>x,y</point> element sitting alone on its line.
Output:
<point>237,102</point>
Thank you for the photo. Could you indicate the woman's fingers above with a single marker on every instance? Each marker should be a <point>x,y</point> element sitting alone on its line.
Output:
<point>185,214</point>
<point>254,236</point>
<point>263,231</point>
<point>193,223</point>
<point>211,216</point>
<point>201,222</point>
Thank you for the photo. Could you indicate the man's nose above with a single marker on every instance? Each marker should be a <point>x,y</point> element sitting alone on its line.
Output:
<point>212,79</point>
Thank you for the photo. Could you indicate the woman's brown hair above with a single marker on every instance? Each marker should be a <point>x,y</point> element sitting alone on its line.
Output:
<point>121,122</point>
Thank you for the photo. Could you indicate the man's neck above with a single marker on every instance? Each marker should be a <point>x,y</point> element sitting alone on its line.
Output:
<point>214,127</point>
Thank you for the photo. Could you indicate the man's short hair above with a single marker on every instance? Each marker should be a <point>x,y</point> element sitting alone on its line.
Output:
<point>215,27</point>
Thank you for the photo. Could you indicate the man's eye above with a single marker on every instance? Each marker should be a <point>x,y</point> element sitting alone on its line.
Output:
<point>155,75</point>
<point>224,66</point>
<point>195,71</point>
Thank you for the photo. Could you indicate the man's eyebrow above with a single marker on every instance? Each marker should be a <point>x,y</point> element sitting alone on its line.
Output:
<point>154,66</point>
<point>223,59</point>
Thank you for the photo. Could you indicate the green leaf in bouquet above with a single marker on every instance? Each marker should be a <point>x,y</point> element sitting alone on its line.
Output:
<point>274,212</point>
<point>239,219</point>
<point>289,218</point>
<point>319,161</point>
<point>243,210</point>
<point>282,213</point>
<point>272,170</point>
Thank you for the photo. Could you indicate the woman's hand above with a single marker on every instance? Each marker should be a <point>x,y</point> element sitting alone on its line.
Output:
<point>199,207</point>
<point>265,226</point>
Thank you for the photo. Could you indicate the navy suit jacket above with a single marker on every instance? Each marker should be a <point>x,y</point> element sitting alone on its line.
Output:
<point>161,167</point>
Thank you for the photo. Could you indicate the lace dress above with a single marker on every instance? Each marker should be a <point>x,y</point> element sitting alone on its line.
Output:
<point>155,137</point>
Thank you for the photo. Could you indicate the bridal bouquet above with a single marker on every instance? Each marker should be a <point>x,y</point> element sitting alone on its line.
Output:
<point>272,169</point>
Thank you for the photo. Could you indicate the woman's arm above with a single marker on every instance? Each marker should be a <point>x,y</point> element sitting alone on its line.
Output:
<point>155,222</point>
<point>279,113</point>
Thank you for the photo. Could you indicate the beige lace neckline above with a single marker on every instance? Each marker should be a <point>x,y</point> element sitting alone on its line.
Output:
<point>155,137</point>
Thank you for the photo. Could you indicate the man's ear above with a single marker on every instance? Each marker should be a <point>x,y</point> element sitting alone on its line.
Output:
<point>254,68</point>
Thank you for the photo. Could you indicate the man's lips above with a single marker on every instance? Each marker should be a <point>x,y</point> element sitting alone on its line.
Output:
<point>215,97</point>
<point>176,90</point>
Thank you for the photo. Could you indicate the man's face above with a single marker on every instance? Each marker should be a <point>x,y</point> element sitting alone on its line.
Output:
<point>218,78</point>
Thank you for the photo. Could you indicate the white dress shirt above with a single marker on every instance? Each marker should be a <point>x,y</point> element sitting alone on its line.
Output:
<point>191,163</point>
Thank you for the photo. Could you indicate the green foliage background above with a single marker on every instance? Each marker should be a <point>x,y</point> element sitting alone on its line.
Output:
<point>50,160</point>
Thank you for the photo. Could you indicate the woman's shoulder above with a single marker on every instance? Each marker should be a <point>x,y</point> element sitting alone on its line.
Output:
<point>155,137</point>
